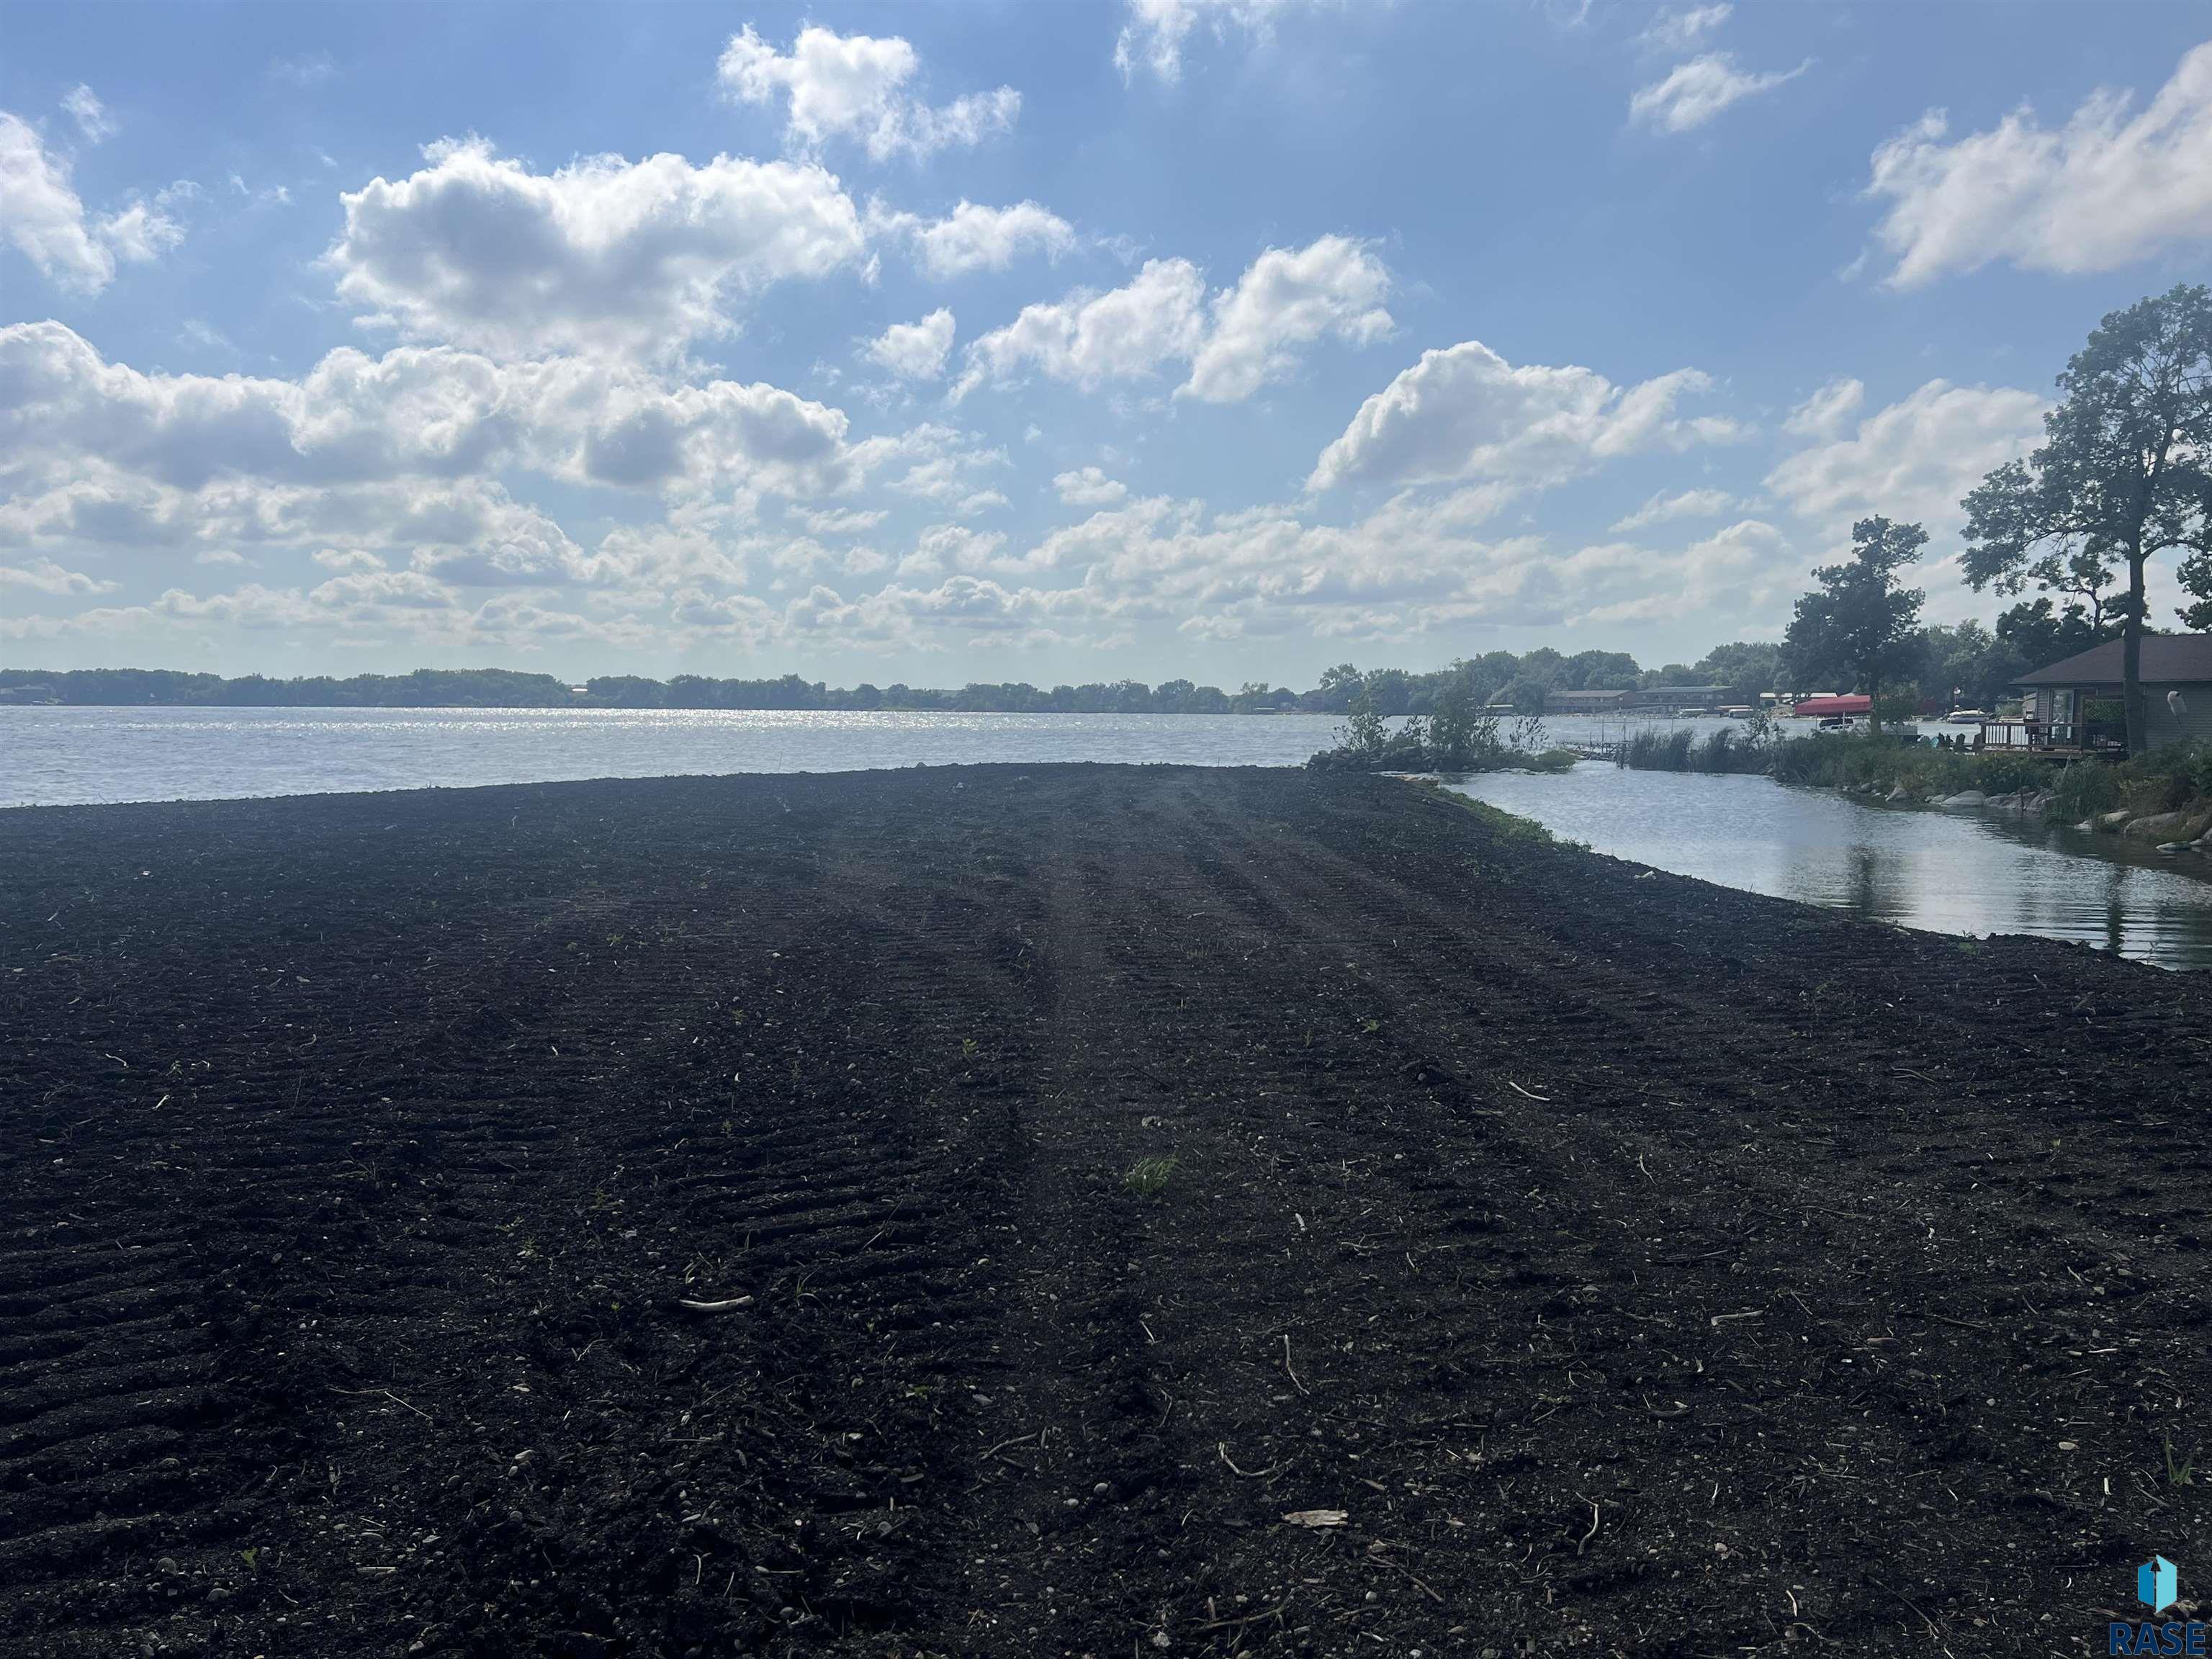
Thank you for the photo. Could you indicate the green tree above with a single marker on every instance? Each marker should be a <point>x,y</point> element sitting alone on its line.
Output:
<point>1389,690</point>
<point>1339,685</point>
<point>1598,671</point>
<point>2124,474</point>
<point>2196,578</point>
<point>1525,695</point>
<point>1365,732</point>
<point>1970,665</point>
<point>2043,635</point>
<point>1746,667</point>
<point>1858,624</point>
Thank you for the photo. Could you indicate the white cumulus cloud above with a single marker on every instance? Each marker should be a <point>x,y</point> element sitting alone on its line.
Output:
<point>1154,34</point>
<point>603,256</point>
<point>1287,299</point>
<point>48,577</point>
<point>1088,486</point>
<point>2107,188</point>
<point>1692,94</point>
<point>913,351</point>
<point>1088,336</point>
<point>398,453</point>
<point>972,237</point>
<point>1465,412</point>
<point>1248,335</point>
<point>90,115</point>
<point>1664,509</point>
<point>855,87</point>
<point>45,219</point>
<point>1683,27</point>
<point>1913,460</point>
<point>1823,415</point>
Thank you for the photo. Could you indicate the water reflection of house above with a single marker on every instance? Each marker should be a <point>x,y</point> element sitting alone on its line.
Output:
<point>2074,705</point>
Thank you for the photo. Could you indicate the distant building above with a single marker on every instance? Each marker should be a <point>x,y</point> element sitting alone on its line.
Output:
<point>2177,681</point>
<point>1587,702</point>
<point>1682,697</point>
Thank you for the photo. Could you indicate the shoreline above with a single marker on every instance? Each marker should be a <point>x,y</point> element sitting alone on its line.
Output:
<point>369,1146</point>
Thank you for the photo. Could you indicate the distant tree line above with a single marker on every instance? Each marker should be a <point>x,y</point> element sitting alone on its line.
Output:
<point>1980,663</point>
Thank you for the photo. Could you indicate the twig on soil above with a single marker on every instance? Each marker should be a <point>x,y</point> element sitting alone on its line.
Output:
<point>1963,1324</point>
<point>388,1394</point>
<point>1756,1313</point>
<point>727,1305</point>
<point>1274,1611</point>
<point>1222,1446</point>
<point>1288,1367</point>
<point>1934,1629</point>
<point>1542,1100</point>
<point>1376,1553</point>
<point>1592,1533</point>
<point>993,1451</point>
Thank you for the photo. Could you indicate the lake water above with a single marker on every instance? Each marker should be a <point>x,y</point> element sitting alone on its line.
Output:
<point>56,756</point>
<point>1950,871</point>
<point>1956,873</point>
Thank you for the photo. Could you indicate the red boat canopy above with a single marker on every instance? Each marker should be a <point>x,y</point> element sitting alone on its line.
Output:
<point>1824,707</point>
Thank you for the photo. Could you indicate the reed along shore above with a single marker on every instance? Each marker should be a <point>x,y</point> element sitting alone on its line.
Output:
<point>1060,1211</point>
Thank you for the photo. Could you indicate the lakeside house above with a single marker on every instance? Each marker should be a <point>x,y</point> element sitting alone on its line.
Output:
<point>2061,711</point>
<point>1683,698</point>
<point>1588,702</point>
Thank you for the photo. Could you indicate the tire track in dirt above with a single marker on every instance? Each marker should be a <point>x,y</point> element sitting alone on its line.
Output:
<point>1594,1184</point>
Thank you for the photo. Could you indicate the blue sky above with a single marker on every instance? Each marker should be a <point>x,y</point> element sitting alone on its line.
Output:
<point>1227,339</point>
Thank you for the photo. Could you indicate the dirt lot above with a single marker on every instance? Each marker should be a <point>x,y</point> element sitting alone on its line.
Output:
<point>1640,1267</point>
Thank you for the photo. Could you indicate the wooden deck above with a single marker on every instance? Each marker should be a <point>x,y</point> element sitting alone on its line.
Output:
<point>2033,739</point>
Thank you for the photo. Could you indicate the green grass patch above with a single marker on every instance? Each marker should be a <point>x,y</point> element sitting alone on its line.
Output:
<point>1148,1177</point>
<point>1506,826</point>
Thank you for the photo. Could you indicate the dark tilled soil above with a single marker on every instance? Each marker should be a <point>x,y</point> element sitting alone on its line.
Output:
<point>1640,1267</point>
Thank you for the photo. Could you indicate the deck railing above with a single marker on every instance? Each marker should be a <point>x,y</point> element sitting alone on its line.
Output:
<point>2053,737</point>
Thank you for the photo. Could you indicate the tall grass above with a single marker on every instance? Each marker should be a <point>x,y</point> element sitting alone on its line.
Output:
<point>1725,749</point>
<point>2166,780</point>
<point>1839,761</point>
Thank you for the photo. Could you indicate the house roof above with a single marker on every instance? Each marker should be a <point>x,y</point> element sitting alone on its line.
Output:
<point>2167,660</point>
